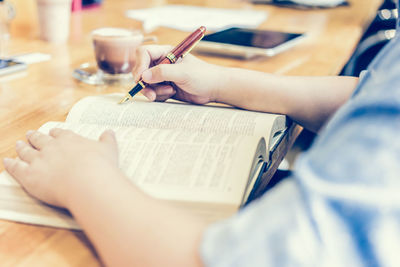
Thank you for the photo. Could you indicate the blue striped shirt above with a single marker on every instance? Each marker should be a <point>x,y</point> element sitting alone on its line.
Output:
<point>342,205</point>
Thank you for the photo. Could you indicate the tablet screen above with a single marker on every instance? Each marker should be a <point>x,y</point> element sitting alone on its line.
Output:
<point>251,38</point>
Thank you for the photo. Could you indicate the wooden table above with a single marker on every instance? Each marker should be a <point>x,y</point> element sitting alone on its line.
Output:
<point>46,91</point>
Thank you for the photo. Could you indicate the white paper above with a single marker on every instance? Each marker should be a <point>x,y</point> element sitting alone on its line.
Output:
<point>6,179</point>
<point>31,58</point>
<point>189,18</point>
<point>140,113</point>
<point>17,205</point>
<point>322,3</point>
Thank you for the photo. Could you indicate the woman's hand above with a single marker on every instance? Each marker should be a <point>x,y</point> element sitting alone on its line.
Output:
<point>190,79</point>
<point>49,167</point>
<point>123,223</point>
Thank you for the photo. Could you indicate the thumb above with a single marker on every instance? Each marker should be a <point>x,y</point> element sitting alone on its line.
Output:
<point>164,72</point>
<point>108,137</point>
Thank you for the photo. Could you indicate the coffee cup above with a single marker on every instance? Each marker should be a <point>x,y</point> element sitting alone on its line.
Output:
<point>115,49</point>
<point>54,19</point>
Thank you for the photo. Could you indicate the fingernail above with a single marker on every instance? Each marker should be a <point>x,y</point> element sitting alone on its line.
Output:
<point>28,133</point>
<point>19,143</point>
<point>146,75</point>
<point>109,131</point>
<point>6,161</point>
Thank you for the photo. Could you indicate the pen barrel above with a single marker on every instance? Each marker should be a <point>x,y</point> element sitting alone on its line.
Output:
<point>164,60</point>
<point>189,42</point>
<point>184,47</point>
<point>139,86</point>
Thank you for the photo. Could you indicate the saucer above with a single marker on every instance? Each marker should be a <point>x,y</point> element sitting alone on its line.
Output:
<point>90,74</point>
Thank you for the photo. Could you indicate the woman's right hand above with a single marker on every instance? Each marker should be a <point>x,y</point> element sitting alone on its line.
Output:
<point>190,79</point>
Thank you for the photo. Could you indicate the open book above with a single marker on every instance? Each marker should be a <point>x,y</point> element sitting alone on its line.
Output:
<point>202,158</point>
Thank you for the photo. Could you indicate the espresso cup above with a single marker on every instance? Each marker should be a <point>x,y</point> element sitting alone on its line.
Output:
<point>115,49</point>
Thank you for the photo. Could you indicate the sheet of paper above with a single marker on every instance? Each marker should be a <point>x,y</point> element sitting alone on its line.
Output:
<point>324,3</point>
<point>31,58</point>
<point>140,113</point>
<point>17,205</point>
<point>179,165</point>
<point>189,18</point>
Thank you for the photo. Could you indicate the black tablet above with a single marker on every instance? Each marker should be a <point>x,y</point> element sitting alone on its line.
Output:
<point>248,42</point>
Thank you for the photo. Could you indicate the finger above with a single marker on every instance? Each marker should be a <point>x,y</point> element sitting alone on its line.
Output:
<point>145,55</point>
<point>16,168</point>
<point>58,132</point>
<point>149,93</point>
<point>26,152</point>
<point>163,98</point>
<point>164,92</point>
<point>164,89</point>
<point>108,137</point>
<point>165,72</point>
<point>37,139</point>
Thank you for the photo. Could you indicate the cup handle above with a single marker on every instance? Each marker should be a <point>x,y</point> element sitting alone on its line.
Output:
<point>150,38</point>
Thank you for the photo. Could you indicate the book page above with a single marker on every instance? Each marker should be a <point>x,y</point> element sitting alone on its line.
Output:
<point>206,174</point>
<point>17,205</point>
<point>140,113</point>
<point>180,165</point>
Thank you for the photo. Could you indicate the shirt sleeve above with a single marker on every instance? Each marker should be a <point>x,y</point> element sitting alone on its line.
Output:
<point>264,233</point>
<point>342,207</point>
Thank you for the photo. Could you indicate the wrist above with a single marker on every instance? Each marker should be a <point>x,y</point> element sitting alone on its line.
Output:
<point>87,185</point>
<point>220,83</point>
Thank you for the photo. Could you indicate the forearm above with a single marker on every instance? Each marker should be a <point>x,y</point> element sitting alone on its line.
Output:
<point>128,228</point>
<point>310,101</point>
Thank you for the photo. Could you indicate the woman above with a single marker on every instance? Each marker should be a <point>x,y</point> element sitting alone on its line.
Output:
<point>341,208</point>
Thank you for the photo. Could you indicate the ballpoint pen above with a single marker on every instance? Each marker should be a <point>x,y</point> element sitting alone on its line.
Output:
<point>179,51</point>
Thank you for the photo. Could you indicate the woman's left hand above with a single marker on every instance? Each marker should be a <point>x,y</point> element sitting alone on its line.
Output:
<point>49,167</point>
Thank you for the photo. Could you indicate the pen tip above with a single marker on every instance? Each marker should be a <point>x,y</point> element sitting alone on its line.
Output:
<point>125,99</point>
